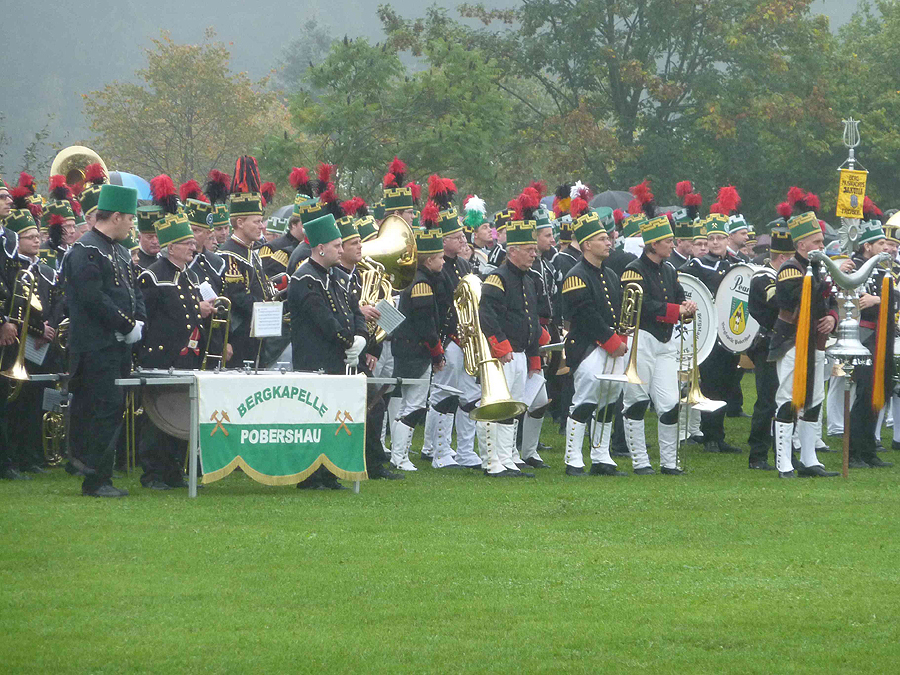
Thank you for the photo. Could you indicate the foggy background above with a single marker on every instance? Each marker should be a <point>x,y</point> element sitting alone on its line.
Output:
<point>54,52</point>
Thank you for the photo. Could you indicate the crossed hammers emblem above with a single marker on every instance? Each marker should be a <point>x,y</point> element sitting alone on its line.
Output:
<point>343,417</point>
<point>218,418</point>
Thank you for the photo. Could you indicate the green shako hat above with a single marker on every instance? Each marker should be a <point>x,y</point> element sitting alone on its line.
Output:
<point>397,195</point>
<point>441,191</point>
<point>687,217</point>
<point>199,213</point>
<point>585,220</point>
<point>607,218</point>
<point>94,178</point>
<point>683,227</point>
<point>347,228</point>
<point>321,230</point>
<point>20,217</point>
<point>870,231</point>
<point>358,212</point>
<point>429,225</point>
<point>737,223</point>
<point>803,226</point>
<point>429,242</point>
<point>173,228</point>
<point>378,210</point>
<point>716,223</point>
<point>117,199</point>
<point>781,241</point>
<point>501,219</point>
<point>521,228</point>
<point>656,229</point>
<point>699,230</point>
<point>542,218</point>
<point>299,180</point>
<point>216,190</point>
<point>565,228</point>
<point>633,224</point>
<point>277,225</point>
<point>146,216</point>
<point>246,189</point>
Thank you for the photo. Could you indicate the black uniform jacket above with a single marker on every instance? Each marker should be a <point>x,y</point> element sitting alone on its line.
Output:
<point>563,262</point>
<point>417,343</point>
<point>663,295</point>
<point>544,275</point>
<point>509,314</point>
<point>175,334</point>
<point>677,260</point>
<point>618,260</point>
<point>788,291</point>
<point>276,254</point>
<point>762,307</point>
<point>145,259</point>
<point>209,267</point>
<point>244,279</point>
<point>9,265</point>
<point>497,254</point>
<point>298,255</point>
<point>592,298</point>
<point>454,269</point>
<point>710,269</point>
<point>101,292</point>
<point>324,318</point>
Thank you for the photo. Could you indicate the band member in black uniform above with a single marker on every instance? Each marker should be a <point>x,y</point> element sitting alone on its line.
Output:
<point>875,337</point>
<point>244,276</point>
<point>807,236</point>
<point>328,331</point>
<point>478,233</point>
<point>174,337</point>
<point>683,225</point>
<point>276,254</point>
<point>662,307</point>
<point>148,244</point>
<point>763,308</point>
<point>592,298</point>
<point>58,219</point>
<point>564,260</point>
<point>8,330</point>
<point>106,318</point>
<point>721,365</point>
<point>208,266</point>
<point>416,342</point>
<point>619,258</point>
<point>498,253</point>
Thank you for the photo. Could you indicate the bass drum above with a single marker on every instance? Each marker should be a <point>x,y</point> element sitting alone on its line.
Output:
<point>736,328</point>
<point>169,409</point>
<point>695,291</point>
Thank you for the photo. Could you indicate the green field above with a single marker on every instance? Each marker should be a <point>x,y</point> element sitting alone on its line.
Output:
<point>724,570</point>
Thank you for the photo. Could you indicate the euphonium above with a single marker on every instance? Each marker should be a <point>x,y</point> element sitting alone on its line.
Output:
<point>221,305</point>
<point>629,324</point>
<point>23,300</point>
<point>395,249</point>
<point>375,287</point>
<point>496,402</point>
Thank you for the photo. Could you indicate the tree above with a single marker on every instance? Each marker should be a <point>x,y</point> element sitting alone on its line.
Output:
<point>309,49</point>
<point>190,114</point>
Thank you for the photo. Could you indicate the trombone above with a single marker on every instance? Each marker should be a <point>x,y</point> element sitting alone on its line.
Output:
<point>629,325</point>
<point>24,299</point>
<point>221,306</point>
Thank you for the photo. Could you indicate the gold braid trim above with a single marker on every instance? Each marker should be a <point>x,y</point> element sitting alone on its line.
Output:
<point>573,284</point>
<point>495,280</point>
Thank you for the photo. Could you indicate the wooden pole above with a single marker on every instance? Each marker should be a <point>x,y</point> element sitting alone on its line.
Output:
<point>845,469</point>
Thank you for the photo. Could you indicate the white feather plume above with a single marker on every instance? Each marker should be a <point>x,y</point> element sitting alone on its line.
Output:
<point>475,203</point>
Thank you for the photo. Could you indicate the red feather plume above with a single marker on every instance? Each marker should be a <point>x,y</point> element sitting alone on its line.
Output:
<point>36,210</point>
<point>795,195</point>
<point>538,186</point>
<point>429,216</point>
<point>76,207</point>
<point>58,188</point>
<point>27,181</point>
<point>683,188</point>
<point>20,195</point>
<point>693,199</point>
<point>94,173</point>
<point>188,190</point>
<point>618,216</point>
<point>642,192</point>
<point>717,208</point>
<point>585,194</point>
<point>299,178</point>
<point>325,172</point>
<point>870,210</point>
<point>329,194</point>
<point>218,185</point>
<point>578,207</point>
<point>634,206</point>
<point>397,166</point>
<point>812,201</point>
<point>435,185</point>
<point>529,199</point>
<point>268,192</point>
<point>784,210</point>
<point>163,190</point>
<point>729,199</point>
<point>415,189</point>
<point>351,206</point>
<point>389,181</point>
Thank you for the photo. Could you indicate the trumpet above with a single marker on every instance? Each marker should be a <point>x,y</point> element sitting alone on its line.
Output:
<point>221,305</point>
<point>376,286</point>
<point>496,402</point>
<point>23,301</point>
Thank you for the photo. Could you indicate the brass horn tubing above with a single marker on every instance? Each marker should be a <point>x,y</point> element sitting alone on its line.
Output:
<point>20,312</point>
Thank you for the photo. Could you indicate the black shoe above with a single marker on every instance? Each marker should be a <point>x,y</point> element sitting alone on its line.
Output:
<point>13,474</point>
<point>379,472</point>
<point>600,469</point>
<point>785,474</point>
<point>762,466</point>
<point>816,470</point>
<point>544,446</point>
<point>895,445</point>
<point>729,448</point>
<point>711,446</point>
<point>875,461</point>
<point>856,463</point>
<point>506,473</point>
<point>644,471</point>
<point>695,440</point>
<point>427,458</point>
<point>574,470</point>
<point>736,413</point>
<point>619,452</point>
<point>536,463</point>
<point>666,471</point>
<point>524,474</point>
<point>156,485</point>
<point>105,491</point>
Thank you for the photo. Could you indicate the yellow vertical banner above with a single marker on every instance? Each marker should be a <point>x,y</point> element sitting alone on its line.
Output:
<point>851,194</point>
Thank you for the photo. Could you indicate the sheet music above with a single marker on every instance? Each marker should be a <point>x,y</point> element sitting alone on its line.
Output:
<point>532,387</point>
<point>391,317</point>
<point>267,318</point>
<point>206,291</point>
<point>34,353</point>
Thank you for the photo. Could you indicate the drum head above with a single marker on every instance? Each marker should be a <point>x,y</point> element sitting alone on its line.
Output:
<point>734,325</point>
<point>169,409</point>
<point>695,291</point>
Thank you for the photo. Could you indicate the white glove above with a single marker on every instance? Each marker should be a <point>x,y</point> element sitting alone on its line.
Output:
<point>133,336</point>
<point>359,343</point>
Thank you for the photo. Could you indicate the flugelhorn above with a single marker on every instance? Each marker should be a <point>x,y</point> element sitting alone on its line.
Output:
<point>496,402</point>
<point>221,306</point>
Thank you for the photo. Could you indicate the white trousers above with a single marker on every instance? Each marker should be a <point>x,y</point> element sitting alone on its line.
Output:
<point>808,433</point>
<point>657,366</point>
<point>523,386</point>
<point>588,389</point>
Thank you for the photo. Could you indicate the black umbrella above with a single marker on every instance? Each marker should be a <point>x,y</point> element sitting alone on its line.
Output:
<point>614,199</point>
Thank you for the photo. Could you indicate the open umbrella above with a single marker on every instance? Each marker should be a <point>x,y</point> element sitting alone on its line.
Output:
<point>132,181</point>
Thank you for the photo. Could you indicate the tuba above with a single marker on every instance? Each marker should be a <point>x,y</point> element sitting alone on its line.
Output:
<point>71,162</point>
<point>395,249</point>
<point>375,287</point>
<point>496,402</point>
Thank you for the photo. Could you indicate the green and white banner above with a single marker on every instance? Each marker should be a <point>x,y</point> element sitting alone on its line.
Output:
<point>280,428</point>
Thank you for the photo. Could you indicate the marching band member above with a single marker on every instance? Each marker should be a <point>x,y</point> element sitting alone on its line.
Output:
<point>417,343</point>
<point>58,219</point>
<point>277,253</point>
<point>174,337</point>
<point>877,326</point>
<point>94,178</point>
<point>328,331</point>
<point>8,330</point>
<point>148,243</point>
<point>498,253</point>
<point>663,305</point>
<point>764,308</point>
<point>475,220</point>
<point>592,297</point>
<point>106,318</point>
<point>208,266</point>
<point>804,314</point>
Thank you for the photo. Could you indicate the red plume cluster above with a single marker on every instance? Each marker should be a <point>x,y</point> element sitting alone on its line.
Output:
<point>268,192</point>
<point>27,181</point>
<point>578,208</point>
<point>801,201</point>
<point>189,190</point>
<point>870,210</point>
<point>395,175</point>
<point>729,200</point>
<point>634,207</point>
<point>76,207</point>
<point>538,186</point>
<point>58,188</point>
<point>163,190</point>
<point>585,194</point>
<point>324,175</point>
<point>717,208</point>
<point>299,180</point>
<point>218,185</point>
<point>430,215</point>
<point>328,195</point>
<point>683,188</point>
<point>642,192</point>
<point>352,206</point>
<point>20,197</point>
<point>416,190</point>
<point>618,216</point>
<point>94,173</point>
<point>785,210</point>
<point>441,191</point>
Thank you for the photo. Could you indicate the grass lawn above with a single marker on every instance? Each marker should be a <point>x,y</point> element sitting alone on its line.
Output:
<point>724,570</point>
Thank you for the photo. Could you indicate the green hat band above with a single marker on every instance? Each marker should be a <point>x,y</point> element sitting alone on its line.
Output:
<point>19,220</point>
<point>430,242</point>
<point>871,230</point>
<point>803,226</point>
<point>633,225</point>
<point>588,226</point>
<point>656,229</point>
<point>520,232</point>
<point>378,211</point>
<point>607,219</point>
<point>781,241</point>
<point>397,199</point>
<point>58,208</point>
<point>366,228</point>
<point>277,225</point>
<point>89,197</point>
<point>716,223</point>
<point>449,221</point>
<point>321,230</point>
<point>220,215</point>
<point>245,204</point>
<point>117,199</point>
<point>347,228</point>
<point>174,227</point>
<point>146,217</point>
<point>199,213</point>
<point>737,223</point>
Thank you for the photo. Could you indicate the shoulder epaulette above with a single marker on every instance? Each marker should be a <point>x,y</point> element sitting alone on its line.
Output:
<point>631,275</point>
<point>789,273</point>
<point>265,252</point>
<point>421,290</point>
<point>573,283</point>
<point>495,280</point>
<point>281,257</point>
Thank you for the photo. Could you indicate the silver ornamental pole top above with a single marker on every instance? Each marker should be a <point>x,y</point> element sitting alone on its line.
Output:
<point>851,139</point>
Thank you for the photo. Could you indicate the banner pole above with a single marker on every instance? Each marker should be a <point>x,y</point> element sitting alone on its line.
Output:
<point>194,442</point>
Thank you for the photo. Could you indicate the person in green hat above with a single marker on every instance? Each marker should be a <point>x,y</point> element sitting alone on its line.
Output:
<point>399,196</point>
<point>94,178</point>
<point>217,189</point>
<point>59,220</point>
<point>416,344</point>
<point>174,337</point>
<point>208,266</point>
<point>148,244</point>
<point>793,310</point>
<point>106,316</point>
<point>328,331</point>
<point>276,255</point>
<point>700,245</point>
<point>475,219</point>
<point>663,305</point>
<point>498,253</point>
